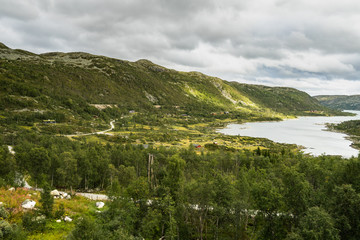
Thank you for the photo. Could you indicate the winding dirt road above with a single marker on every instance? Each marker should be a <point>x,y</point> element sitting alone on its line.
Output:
<point>112,126</point>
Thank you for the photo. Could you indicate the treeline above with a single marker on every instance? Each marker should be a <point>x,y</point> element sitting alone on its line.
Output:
<point>351,128</point>
<point>186,194</point>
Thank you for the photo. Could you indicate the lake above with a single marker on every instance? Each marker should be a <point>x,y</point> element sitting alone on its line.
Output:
<point>309,132</point>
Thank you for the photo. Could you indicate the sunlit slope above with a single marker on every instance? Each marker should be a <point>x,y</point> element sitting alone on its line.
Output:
<point>281,99</point>
<point>73,81</point>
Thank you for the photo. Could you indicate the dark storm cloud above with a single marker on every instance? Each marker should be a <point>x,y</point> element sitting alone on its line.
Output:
<point>275,42</point>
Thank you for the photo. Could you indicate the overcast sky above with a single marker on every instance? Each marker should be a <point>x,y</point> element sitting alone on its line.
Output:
<point>312,45</point>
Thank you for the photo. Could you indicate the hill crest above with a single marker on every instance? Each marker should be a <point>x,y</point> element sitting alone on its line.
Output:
<point>69,83</point>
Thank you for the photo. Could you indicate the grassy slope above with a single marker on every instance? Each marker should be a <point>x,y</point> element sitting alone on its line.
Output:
<point>57,81</point>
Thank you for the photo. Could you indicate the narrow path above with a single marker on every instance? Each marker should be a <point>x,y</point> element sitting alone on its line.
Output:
<point>112,126</point>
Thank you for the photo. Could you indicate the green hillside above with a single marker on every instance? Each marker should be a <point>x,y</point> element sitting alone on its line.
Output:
<point>76,88</point>
<point>342,102</point>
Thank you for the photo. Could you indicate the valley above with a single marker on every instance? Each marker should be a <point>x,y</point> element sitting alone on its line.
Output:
<point>137,131</point>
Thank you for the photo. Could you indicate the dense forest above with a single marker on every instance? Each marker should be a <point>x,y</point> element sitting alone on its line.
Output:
<point>216,194</point>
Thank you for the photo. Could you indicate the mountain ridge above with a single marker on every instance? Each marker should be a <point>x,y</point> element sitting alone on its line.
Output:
<point>341,102</point>
<point>70,84</point>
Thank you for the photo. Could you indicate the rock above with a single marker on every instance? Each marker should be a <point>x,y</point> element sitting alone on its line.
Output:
<point>99,204</point>
<point>68,197</point>
<point>28,204</point>
<point>11,150</point>
<point>1,204</point>
<point>67,219</point>
<point>64,194</point>
<point>54,193</point>
<point>11,189</point>
<point>58,221</point>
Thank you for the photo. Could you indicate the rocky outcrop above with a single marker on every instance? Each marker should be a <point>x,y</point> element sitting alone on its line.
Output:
<point>28,204</point>
<point>99,204</point>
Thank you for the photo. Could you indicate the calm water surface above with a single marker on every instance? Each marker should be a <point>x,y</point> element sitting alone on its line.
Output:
<point>305,131</point>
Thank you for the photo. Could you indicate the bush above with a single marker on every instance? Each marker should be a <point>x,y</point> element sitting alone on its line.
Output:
<point>86,229</point>
<point>3,213</point>
<point>33,222</point>
<point>5,229</point>
<point>60,211</point>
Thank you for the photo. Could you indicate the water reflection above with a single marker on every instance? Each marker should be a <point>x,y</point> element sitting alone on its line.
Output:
<point>306,131</point>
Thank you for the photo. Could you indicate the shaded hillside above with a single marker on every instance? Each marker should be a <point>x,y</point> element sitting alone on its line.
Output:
<point>342,102</point>
<point>65,86</point>
<point>280,99</point>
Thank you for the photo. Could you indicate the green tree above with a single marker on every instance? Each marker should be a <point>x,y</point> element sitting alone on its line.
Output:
<point>175,176</point>
<point>40,164</point>
<point>345,208</point>
<point>151,224</point>
<point>47,201</point>
<point>86,228</point>
<point>126,175</point>
<point>138,189</point>
<point>223,206</point>
<point>241,205</point>
<point>68,170</point>
<point>85,168</point>
<point>317,224</point>
<point>296,191</point>
<point>7,167</point>
<point>269,201</point>
<point>200,195</point>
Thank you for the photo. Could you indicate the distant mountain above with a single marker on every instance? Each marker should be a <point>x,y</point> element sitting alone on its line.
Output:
<point>80,85</point>
<point>342,102</point>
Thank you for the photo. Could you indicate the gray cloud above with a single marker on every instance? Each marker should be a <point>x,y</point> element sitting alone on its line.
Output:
<point>274,42</point>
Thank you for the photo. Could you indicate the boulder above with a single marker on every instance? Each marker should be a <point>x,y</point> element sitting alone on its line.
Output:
<point>11,189</point>
<point>55,193</point>
<point>58,221</point>
<point>68,197</point>
<point>28,204</point>
<point>67,219</point>
<point>99,204</point>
